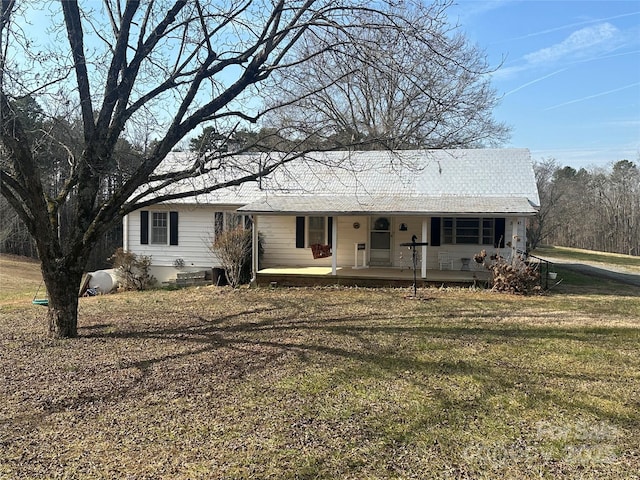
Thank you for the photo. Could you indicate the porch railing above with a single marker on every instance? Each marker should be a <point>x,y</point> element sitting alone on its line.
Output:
<point>545,267</point>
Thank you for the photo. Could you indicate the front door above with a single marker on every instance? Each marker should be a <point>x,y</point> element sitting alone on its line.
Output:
<point>380,251</point>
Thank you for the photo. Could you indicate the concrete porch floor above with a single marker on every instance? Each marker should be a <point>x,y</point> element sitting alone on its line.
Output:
<point>370,276</point>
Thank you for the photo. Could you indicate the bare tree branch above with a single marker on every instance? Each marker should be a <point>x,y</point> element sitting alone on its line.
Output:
<point>75,33</point>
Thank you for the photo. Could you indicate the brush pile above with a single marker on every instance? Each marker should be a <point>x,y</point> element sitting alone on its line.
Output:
<point>511,276</point>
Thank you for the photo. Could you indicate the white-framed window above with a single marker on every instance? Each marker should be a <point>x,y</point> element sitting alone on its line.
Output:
<point>159,228</point>
<point>317,230</point>
<point>468,231</point>
<point>488,231</point>
<point>228,220</point>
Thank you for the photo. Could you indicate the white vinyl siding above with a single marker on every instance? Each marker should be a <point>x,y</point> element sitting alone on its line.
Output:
<point>279,243</point>
<point>196,234</point>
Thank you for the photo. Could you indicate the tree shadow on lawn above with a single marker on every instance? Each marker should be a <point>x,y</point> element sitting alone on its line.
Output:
<point>469,370</point>
<point>463,391</point>
<point>373,343</point>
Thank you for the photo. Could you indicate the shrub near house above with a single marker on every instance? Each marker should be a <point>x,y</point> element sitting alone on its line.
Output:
<point>132,270</point>
<point>233,248</point>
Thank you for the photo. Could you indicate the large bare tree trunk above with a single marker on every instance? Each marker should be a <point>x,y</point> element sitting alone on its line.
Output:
<point>62,282</point>
<point>63,313</point>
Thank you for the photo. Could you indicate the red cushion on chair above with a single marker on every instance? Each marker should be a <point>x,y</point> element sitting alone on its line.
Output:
<point>320,251</point>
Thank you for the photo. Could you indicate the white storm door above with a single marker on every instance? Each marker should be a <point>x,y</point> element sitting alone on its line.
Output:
<point>380,242</point>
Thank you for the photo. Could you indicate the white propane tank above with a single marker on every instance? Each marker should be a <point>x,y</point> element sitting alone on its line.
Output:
<point>102,281</point>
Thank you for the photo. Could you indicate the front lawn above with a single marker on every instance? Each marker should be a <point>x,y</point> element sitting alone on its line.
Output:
<point>324,383</point>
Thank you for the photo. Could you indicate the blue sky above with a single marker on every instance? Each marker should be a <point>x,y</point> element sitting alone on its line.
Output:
<point>570,74</point>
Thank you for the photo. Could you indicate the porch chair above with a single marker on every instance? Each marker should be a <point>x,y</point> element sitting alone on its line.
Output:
<point>445,261</point>
<point>320,251</point>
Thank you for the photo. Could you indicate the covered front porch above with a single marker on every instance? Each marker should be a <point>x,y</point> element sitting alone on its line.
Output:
<point>374,250</point>
<point>367,277</point>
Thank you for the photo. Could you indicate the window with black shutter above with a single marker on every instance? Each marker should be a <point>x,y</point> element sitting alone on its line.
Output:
<point>144,227</point>
<point>173,228</point>
<point>435,231</point>
<point>300,232</point>
<point>499,232</point>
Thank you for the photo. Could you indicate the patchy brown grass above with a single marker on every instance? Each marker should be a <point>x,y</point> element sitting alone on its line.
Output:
<point>324,383</point>
<point>321,383</point>
<point>627,262</point>
<point>19,278</point>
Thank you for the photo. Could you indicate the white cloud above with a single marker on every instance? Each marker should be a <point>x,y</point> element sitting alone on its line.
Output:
<point>579,43</point>
<point>587,44</point>
<point>571,25</point>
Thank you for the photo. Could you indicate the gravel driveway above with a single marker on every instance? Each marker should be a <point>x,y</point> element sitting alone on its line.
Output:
<point>629,276</point>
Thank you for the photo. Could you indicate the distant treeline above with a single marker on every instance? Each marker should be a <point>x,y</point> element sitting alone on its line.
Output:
<point>595,210</point>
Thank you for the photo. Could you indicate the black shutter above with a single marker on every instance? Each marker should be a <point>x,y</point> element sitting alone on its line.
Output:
<point>173,228</point>
<point>435,231</point>
<point>499,233</point>
<point>218,223</point>
<point>329,230</point>
<point>144,227</point>
<point>299,232</point>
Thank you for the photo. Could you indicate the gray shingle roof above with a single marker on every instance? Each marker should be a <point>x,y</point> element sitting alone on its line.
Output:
<point>411,182</point>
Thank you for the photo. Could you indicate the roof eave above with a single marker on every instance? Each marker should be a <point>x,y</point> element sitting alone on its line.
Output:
<point>384,212</point>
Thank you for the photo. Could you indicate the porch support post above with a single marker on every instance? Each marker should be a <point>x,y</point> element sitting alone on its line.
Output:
<point>125,233</point>
<point>254,251</point>
<point>515,238</point>
<point>423,267</point>
<point>334,247</point>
